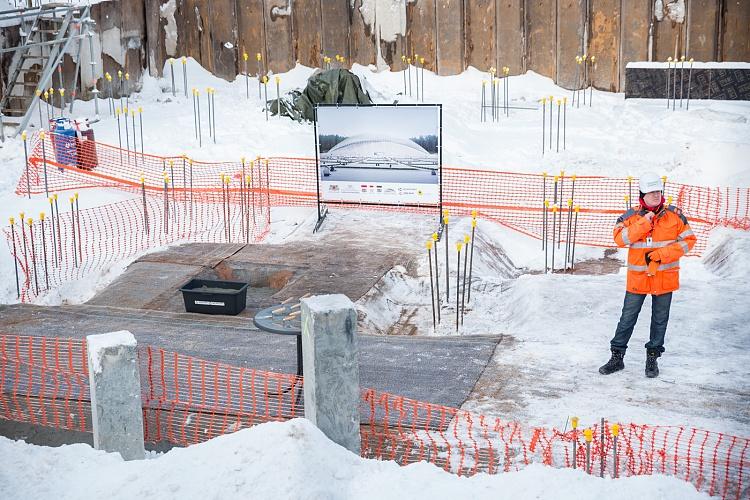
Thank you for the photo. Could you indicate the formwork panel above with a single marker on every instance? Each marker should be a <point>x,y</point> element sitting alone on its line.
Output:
<point>421,29</point>
<point>668,40</point>
<point>222,34</point>
<point>702,34</point>
<point>510,42</point>
<point>450,37</point>
<point>541,45</point>
<point>306,14</point>
<point>605,44</point>
<point>570,43</point>
<point>634,42</point>
<point>279,46</point>
<point>251,32</point>
<point>736,40</point>
<point>362,48</point>
<point>335,31</point>
<point>480,34</point>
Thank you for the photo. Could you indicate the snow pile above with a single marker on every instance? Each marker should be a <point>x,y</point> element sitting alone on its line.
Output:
<point>728,253</point>
<point>289,460</point>
<point>97,344</point>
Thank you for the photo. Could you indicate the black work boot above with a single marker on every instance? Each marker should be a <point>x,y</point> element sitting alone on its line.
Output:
<point>615,363</point>
<point>652,367</point>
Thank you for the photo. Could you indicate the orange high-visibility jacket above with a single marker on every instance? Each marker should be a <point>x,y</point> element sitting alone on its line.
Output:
<point>667,238</point>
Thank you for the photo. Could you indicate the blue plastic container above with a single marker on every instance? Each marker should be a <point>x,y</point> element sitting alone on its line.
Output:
<point>64,141</point>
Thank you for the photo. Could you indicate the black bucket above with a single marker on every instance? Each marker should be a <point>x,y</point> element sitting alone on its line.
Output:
<point>214,297</point>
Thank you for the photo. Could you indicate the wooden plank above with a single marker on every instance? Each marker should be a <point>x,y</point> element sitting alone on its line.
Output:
<point>420,22</point>
<point>280,47</point>
<point>251,33</point>
<point>605,44</point>
<point>362,39</point>
<point>510,43</point>
<point>480,34</point>
<point>736,37</point>
<point>634,41</point>
<point>570,43</point>
<point>335,16</point>
<point>221,31</point>
<point>450,37</point>
<point>701,29</point>
<point>307,28</point>
<point>542,39</point>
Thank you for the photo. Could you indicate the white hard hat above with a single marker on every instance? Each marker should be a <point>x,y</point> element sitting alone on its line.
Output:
<point>650,182</point>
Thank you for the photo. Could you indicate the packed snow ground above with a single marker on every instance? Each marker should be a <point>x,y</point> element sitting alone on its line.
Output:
<point>561,324</point>
<point>289,460</point>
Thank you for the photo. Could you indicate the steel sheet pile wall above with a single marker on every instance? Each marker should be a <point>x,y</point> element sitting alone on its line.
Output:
<point>540,35</point>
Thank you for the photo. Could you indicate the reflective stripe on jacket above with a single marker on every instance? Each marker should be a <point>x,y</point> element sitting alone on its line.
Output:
<point>668,235</point>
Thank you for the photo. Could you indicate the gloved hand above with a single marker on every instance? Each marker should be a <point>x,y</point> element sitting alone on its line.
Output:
<point>652,261</point>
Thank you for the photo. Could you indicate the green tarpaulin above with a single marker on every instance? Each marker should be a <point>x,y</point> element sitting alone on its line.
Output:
<point>334,86</point>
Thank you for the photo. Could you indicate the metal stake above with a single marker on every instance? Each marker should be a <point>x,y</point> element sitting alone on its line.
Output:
<point>26,163</point>
<point>669,67</point>
<point>42,135</point>
<point>575,231</point>
<point>432,293</point>
<point>544,117</point>
<point>447,273</point>
<point>458,281</point>
<point>437,275</point>
<point>690,79</point>
<point>33,255</point>
<point>557,143</point>
<point>78,224</point>
<point>171,70</point>
<point>15,256</point>
<point>601,451</point>
<point>463,287</point>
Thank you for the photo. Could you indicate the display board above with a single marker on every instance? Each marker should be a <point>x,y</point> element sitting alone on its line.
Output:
<point>379,154</point>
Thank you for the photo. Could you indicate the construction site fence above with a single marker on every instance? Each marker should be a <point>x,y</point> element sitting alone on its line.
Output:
<point>178,199</point>
<point>187,400</point>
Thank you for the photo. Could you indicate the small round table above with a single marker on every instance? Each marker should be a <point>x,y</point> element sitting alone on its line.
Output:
<point>283,319</point>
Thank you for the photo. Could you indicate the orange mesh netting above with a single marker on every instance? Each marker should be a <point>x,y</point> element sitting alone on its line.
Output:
<point>179,199</point>
<point>188,400</point>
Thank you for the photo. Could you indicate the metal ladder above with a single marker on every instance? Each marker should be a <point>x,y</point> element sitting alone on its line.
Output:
<point>36,58</point>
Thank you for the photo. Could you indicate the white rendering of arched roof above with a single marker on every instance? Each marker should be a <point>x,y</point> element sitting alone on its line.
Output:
<point>378,145</point>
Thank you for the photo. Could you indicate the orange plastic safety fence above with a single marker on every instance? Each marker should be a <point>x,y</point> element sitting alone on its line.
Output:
<point>45,382</point>
<point>187,400</point>
<point>397,428</point>
<point>70,243</point>
<point>515,200</point>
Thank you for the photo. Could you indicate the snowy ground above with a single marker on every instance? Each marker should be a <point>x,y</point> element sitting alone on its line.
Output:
<point>289,460</point>
<point>561,324</point>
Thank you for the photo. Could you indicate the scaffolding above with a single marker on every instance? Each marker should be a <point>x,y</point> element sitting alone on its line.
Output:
<point>48,31</point>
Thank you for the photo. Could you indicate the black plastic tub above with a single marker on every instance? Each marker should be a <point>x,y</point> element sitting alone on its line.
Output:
<point>214,297</point>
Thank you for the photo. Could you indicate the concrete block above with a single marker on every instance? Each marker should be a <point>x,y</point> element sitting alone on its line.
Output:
<point>116,394</point>
<point>331,368</point>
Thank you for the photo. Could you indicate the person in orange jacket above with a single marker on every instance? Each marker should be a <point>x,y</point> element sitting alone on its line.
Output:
<point>657,236</point>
